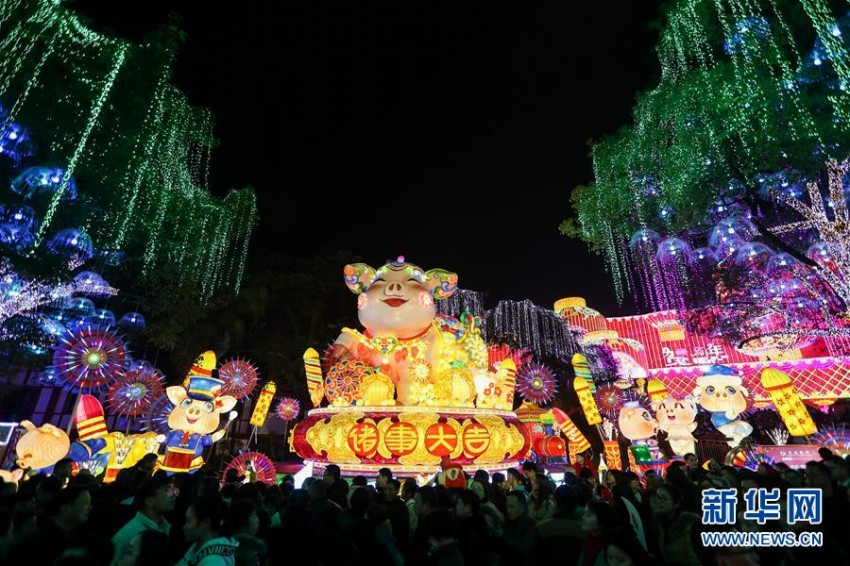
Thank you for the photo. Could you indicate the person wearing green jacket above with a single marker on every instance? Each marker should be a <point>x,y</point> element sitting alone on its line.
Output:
<point>154,498</point>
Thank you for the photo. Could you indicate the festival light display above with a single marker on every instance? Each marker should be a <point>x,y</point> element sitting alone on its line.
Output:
<point>736,163</point>
<point>264,403</point>
<point>787,402</point>
<point>134,392</point>
<point>239,376</point>
<point>414,387</point>
<point>253,467</point>
<point>148,160</point>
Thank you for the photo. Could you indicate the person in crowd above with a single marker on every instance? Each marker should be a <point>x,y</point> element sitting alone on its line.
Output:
<point>444,549</point>
<point>62,470</point>
<point>622,548</point>
<point>398,514</point>
<point>561,534</point>
<point>244,523</point>
<point>675,528</point>
<point>599,517</point>
<point>515,544</point>
<point>408,495</point>
<point>473,532</point>
<point>379,519</point>
<point>155,498</point>
<point>583,461</point>
<point>148,548</point>
<point>337,487</point>
<point>384,475</point>
<point>530,471</point>
<point>425,503</point>
<point>203,521</point>
<point>540,505</point>
<point>66,513</point>
<point>516,481</point>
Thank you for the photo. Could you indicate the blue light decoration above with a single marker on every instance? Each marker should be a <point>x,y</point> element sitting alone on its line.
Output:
<point>44,181</point>
<point>80,306</point>
<point>53,327</point>
<point>819,253</point>
<point>101,319</point>
<point>132,322</point>
<point>92,284</point>
<point>16,236</point>
<point>89,279</point>
<point>748,33</point>
<point>71,243</point>
<point>48,378</point>
<point>15,142</point>
<point>139,365</point>
<point>789,184</point>
<point>674,251</point>
<point>23,216</point>
<point>112,257</point>
<point>645,241</point>
<point>781,265</point>
<point>753,255</point>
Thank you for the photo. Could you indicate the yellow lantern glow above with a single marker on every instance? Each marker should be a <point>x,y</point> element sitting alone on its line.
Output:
<point>509,383</point>
<point>788,403</point>
<point>314,376</point>
<point>656,390</point>
<point>261,409</point>
<point>588,403</point>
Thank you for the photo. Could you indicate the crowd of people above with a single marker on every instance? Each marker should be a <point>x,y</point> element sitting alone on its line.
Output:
<point>149,518</point>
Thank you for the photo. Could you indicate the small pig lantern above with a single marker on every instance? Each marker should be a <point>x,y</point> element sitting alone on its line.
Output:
<point>720,392</point>
<point>193,421</point>
<point>41,447</point>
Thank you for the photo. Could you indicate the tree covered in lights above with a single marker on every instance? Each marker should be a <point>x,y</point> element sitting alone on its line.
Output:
<point>734,166</point>
<point>103,168</point>
<point>104,110</point>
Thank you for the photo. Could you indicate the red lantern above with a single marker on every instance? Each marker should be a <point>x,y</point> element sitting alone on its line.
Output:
<point>440,439</point>
<point>550,446</point>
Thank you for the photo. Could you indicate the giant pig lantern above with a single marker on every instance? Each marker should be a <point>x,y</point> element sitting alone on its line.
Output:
<point>428,359</point>
<point>412,388</point>
<point>193,422</point>
<point>720,392</point>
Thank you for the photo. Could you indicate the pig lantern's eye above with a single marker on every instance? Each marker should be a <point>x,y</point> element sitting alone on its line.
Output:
<point>646,416</point>
<point>208,407</point>
<point>730,390</point>
<point>186,403</point>
<point>710,390</point>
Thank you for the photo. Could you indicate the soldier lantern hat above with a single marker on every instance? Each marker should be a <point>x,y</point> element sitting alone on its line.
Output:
<point>204,388</point>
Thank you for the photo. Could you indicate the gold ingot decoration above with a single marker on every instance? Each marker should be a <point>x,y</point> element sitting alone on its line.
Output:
<point>505,440</point>
<point>332,437</point>
<point>455,388</point>
<point>376,390</point>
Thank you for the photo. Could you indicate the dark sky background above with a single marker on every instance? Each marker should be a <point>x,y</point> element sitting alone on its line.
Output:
<point>447,131</point>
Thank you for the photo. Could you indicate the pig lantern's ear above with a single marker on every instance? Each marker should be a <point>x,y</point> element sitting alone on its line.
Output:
<point>441,283</point>
<point>175,394</point>
<point>224,403</point>
<point>358,277</point>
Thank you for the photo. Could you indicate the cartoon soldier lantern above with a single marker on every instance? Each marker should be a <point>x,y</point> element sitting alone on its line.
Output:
<point>193,421</point>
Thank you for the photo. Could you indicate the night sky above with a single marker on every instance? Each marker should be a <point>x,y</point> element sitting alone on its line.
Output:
<point>447,131</point>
